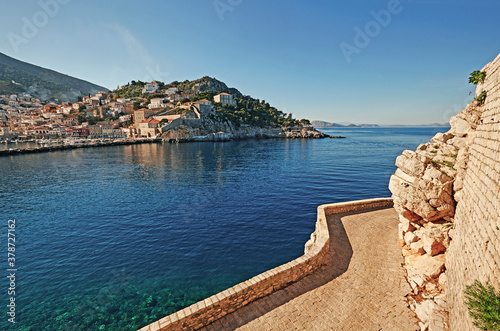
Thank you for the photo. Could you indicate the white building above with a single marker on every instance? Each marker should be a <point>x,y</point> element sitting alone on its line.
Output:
<point>225,98</point>
<point>156,103</point>
<point>171,90</point>
<point>124,118</point>
<point>151,87</point>
<point>123,100</point>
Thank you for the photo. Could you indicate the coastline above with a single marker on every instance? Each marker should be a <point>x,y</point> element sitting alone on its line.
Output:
<point>91,144</point>
<point>208,138</point>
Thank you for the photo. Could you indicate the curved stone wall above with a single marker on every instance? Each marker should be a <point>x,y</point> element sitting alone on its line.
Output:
<point>215,307</point>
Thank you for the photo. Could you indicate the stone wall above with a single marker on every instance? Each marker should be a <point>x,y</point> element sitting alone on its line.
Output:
<point>207,311</point>
<point>447,194</point>
<point>474,251</point>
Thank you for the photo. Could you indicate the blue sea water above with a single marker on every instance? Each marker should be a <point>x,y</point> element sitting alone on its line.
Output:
<point>114,238</point>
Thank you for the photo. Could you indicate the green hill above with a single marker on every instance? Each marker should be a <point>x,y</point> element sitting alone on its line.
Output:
<point>17,77</point>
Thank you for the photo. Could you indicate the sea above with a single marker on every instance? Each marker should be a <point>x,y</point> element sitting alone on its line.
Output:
<point>114,238</point>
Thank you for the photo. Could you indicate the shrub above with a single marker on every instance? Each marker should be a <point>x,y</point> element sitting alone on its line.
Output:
<point>481,98</point>
<point>477,77</point>
<point>484,306</point>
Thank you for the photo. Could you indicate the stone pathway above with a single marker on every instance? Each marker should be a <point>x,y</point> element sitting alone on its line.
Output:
<point>362,286</point>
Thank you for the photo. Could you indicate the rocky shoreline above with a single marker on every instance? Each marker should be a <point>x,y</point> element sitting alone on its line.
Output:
<point>213,137</point>
<point>187,134</point>
<point>45,149</point>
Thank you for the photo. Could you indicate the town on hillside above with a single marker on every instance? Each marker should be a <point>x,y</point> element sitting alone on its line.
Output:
<point>137,110</point>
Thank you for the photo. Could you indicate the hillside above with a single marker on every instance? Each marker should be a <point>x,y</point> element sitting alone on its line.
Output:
<point>187,87</point>
<point>246,110</point>
<point>206,84</point>
<point>17,77</point>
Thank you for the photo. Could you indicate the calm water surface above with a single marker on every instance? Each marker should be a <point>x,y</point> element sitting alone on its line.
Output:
<point>114,238</point>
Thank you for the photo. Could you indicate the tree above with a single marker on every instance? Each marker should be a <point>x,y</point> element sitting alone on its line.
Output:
<point>304,122</point>
<point>81,118</point>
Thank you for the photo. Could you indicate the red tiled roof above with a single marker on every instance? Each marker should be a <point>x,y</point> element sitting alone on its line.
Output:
<point>151,120</point>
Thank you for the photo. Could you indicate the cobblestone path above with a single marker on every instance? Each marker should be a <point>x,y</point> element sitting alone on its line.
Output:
<point>361,287</point>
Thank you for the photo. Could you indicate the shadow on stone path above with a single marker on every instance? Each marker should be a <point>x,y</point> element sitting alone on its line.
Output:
<point>361,287</point>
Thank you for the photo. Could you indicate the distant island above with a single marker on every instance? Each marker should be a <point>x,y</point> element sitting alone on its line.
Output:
<point>432,125</point>
<point>323,124</point>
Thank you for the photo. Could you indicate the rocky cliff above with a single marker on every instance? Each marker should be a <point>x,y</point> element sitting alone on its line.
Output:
<point>207,83</point>
<point>216,131</point>
<point>447,195</point>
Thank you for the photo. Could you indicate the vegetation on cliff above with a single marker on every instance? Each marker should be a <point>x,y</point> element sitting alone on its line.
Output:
<point>254,112</point>
<point>484,306</point>
<point>477,77</point>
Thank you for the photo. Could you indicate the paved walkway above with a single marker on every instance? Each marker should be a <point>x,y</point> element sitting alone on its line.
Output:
<point>362,286</point>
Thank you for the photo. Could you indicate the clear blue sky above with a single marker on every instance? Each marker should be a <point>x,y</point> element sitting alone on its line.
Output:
<point>413,69</point>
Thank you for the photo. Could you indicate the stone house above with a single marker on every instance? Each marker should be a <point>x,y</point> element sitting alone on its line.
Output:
<point>141,115</point>
<point>149,128</point>
<point>225,98</point>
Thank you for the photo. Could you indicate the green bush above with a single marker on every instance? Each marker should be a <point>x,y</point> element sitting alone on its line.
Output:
<point>477,77</point>
<point>481,98</point>
<point>484,306</point>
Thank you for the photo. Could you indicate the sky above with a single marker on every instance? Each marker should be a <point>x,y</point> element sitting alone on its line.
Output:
<point>382,62</point>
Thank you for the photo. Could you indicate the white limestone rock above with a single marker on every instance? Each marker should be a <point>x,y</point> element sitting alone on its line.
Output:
<point>412,163</point>
<point>406,225</point>
<point>410,237</point>
<point>457,142</point>
<point>424,267</point>
<point>424,310</point>
<point>459,126</point>
<point>441,137</point>
<point>435,240</point>
<point>417,247</point>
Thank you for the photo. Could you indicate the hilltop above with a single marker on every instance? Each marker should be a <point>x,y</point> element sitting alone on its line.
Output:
<point>20,77</point>
<point>134,89</point>
<point>176,96</point>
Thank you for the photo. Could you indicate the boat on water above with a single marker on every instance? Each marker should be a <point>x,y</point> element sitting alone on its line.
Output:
<point>73,141</point>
